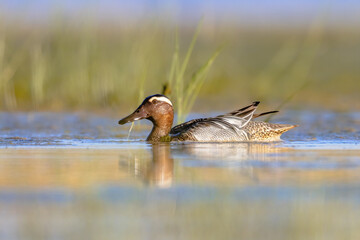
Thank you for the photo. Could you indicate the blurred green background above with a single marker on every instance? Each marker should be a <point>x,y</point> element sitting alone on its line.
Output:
<point>89,55</point>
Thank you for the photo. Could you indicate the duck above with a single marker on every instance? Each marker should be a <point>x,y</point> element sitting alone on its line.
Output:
<point>235,126</point>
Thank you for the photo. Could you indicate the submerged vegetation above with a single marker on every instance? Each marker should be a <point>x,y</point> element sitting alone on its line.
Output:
<point>63,66</point>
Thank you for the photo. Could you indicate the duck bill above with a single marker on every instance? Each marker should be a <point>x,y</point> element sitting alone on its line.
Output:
<point>132,117</point>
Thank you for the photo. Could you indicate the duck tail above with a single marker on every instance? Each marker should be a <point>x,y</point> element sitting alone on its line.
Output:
<point>281,128</point>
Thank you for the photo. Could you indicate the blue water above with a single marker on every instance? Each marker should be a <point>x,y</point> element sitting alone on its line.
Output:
<point>317,129</point>
<point>79,176</point>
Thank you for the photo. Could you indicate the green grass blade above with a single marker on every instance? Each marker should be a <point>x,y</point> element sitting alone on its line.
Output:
<point>301,68</point>
<point>38,75</point>
<point>190,50</point>
<point>174,62</point>
<point>197,82</point>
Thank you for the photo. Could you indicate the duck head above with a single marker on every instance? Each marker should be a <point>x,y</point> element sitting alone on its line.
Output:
<point>159,110</point>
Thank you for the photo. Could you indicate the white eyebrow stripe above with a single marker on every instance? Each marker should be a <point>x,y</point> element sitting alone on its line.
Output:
<point>162,99</point>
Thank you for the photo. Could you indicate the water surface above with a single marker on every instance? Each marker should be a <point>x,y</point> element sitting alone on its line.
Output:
<point>78,176</point>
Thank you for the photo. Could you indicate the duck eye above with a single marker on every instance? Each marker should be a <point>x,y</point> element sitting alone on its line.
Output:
<point>154,101</point>
<point>138,110</point>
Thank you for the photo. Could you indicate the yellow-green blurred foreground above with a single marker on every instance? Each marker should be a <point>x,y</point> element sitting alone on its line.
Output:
<point>252,191</point>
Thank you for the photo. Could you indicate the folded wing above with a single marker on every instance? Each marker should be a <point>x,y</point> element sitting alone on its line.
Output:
<point>232,121</point>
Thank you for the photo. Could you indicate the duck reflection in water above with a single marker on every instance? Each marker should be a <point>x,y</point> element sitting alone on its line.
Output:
<point>158,171</point>
<point>231,151</point>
